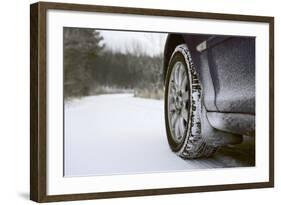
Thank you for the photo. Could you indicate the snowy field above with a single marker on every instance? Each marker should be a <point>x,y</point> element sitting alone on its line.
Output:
<point>121,134</point>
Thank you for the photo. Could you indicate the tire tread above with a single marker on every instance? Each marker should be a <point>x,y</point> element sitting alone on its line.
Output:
<point>194,145</point>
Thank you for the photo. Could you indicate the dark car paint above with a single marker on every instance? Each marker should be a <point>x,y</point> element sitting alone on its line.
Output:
<point>233,72</point>
<point>226,70</point>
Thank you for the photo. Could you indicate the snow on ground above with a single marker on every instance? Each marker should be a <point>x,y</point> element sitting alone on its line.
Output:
<point>121,134</point>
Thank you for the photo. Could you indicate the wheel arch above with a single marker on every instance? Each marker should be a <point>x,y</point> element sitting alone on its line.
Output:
<point>171,43</point>
<point>201,65</point>
<point>173,40</point>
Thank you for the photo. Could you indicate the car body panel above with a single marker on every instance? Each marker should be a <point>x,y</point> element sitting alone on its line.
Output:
<point>226,68</point>
<point>232,66</point>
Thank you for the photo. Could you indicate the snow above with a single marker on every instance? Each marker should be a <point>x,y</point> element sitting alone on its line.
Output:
<point>120,134</point>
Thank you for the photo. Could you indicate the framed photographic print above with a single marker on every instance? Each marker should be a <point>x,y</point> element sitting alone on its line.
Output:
<point>134,102</point>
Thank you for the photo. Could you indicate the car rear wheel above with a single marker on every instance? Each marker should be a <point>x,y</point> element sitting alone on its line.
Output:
<point>183,107</point>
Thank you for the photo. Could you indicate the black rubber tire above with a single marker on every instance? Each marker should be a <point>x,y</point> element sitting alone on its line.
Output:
<point>193,144</point>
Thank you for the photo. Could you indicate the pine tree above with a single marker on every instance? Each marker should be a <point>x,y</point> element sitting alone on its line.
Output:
<point>81,47</point>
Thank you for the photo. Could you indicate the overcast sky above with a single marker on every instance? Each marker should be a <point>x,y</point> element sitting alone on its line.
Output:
<point>124,41</point>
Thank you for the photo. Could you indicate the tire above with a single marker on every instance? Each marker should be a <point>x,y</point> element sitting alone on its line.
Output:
<point>183,107</point>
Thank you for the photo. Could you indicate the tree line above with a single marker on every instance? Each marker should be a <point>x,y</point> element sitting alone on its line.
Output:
<point>91,69</point>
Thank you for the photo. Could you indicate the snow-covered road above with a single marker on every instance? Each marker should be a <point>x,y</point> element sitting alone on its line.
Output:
<point>121,134</point>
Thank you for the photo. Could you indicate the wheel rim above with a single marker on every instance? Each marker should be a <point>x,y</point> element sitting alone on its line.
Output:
<point>178,102</point>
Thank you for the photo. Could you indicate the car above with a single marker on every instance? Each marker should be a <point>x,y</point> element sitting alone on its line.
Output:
<point>209,92</point>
